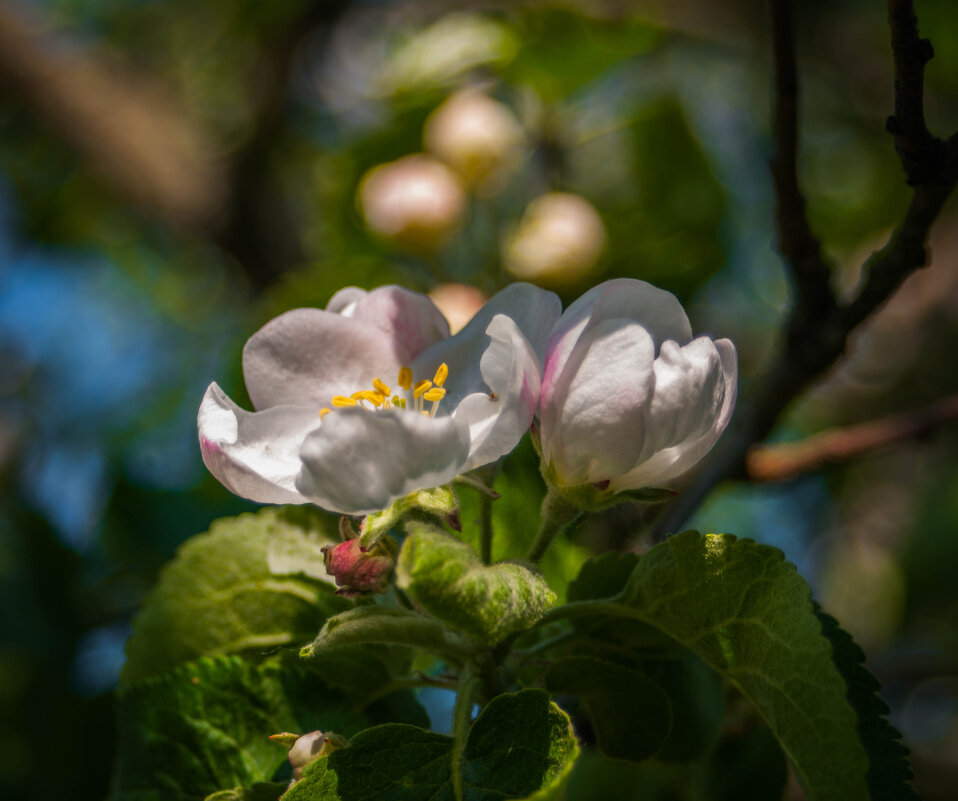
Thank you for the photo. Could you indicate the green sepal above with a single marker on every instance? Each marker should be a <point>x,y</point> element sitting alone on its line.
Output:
<point>446,578</point>
<point>439,503</point>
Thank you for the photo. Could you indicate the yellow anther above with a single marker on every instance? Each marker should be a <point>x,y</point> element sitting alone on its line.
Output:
<point>421,388</point>
<point>442,373</point>
<point>405,378</point>
<point>434,394</point>
<point>400,402</point>
<point>375,398</point>
<point>381,388</point>
<point>341,401</point>
<point>323,412</point>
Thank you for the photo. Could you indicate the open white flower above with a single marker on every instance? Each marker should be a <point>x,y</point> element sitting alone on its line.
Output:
<point>364,402</point>
<point>629,400</point>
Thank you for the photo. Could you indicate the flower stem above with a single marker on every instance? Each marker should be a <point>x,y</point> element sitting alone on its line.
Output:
<point>557,515</point>
<point>485,528</point>
<point>461,719</point>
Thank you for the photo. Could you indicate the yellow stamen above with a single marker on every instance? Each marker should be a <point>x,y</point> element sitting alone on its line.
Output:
<point>442,373</point>
<point>341,401</point>
<point>421,388</point>
<point>381,388</point>
<point>323,412</point>
<point>400,402</point>
<point>369,395</point>
<point>405,377</point>
<point>434,394</point>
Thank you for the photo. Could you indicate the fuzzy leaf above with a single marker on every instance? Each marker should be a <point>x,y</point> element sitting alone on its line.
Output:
<point>205,726</point>
<point>445,576</point>
<point>520,745</point>
<point>237,588</point>
<point>747,613</point>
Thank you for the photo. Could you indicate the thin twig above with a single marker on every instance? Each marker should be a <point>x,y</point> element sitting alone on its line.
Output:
<point>818,328</point>
<point>785,461</point>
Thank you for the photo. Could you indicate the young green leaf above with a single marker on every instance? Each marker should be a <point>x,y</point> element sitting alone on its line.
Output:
<point>520,745</point>
<point>238,588</point>
<point>446,577</point>
<point>205,726</point>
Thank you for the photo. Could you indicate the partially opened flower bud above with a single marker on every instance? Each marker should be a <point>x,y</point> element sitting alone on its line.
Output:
<point>359,570</point>
<point>415,201</point>
<point>477,136</point>
<point>310,747</point>
<point>558,240</point>
<point>458,303</point>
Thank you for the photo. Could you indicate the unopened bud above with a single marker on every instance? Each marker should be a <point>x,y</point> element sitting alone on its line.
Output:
<point>312,746</point>
<point>558,240</point>
<point>416,201</point>
<point>477,136</point>
<point>358,570</point>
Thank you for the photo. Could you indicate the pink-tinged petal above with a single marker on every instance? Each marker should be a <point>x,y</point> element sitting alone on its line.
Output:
<point>594,428</point>
<point>409,318</point>
<point>254,454</point>
<point>672,462</point>
<point>361,461</point>
<point>533,310</point>
<point>656,310</point>
<point>306,356</point>
<point>498,419</point>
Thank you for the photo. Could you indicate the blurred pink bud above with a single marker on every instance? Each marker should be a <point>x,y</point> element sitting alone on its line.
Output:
<point>415,201</point>
<point>359,571</point>
<point>558,240</point>
<point>458,303</point>
<point>477,136</point>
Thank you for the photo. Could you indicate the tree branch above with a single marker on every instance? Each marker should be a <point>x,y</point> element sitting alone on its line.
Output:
<point>817,330</point>
<point>786,461</point>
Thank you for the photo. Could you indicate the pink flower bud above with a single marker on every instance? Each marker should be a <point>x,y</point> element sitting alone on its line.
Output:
<point>359,571</point>
<point>310,747</point>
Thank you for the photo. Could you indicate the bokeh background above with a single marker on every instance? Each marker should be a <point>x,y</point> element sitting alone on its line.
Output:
<point>173,174</point>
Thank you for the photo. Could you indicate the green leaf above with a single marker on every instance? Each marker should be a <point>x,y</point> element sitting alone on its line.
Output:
<point>630,713</point>
<point>603,576</point>
<point>238,588</point>
<point>521,744</point>
<point>747,613</point>
<point>260,791</point>
<point>205,726</point>
<point>889,773</point>
<point>445,576</point>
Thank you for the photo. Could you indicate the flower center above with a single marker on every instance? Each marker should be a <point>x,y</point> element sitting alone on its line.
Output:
<point>414,397</point>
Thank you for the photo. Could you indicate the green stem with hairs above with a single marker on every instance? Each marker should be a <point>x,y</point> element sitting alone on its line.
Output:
<point>558,514</point>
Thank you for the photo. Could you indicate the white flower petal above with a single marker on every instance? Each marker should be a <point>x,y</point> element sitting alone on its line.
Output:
<point>533,310</point>
<point>593,425</point>
<point>361,461</point>
<point>672,462</point>
<point>656,310</point>
<point>408,318</point>
<point>510,368</point>
<point>254,454</point>
<point>345,300</point>
<point>306,356</point>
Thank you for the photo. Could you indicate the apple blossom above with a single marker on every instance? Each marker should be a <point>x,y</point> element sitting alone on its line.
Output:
<point>369,400</point>
<point>414,201</point>
<point>558,240</point>
<point>477,136</point>
<point>629,400</point>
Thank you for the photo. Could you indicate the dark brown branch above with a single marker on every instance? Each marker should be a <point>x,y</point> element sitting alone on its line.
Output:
<point>786,461</point>
<point>817,329</point>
